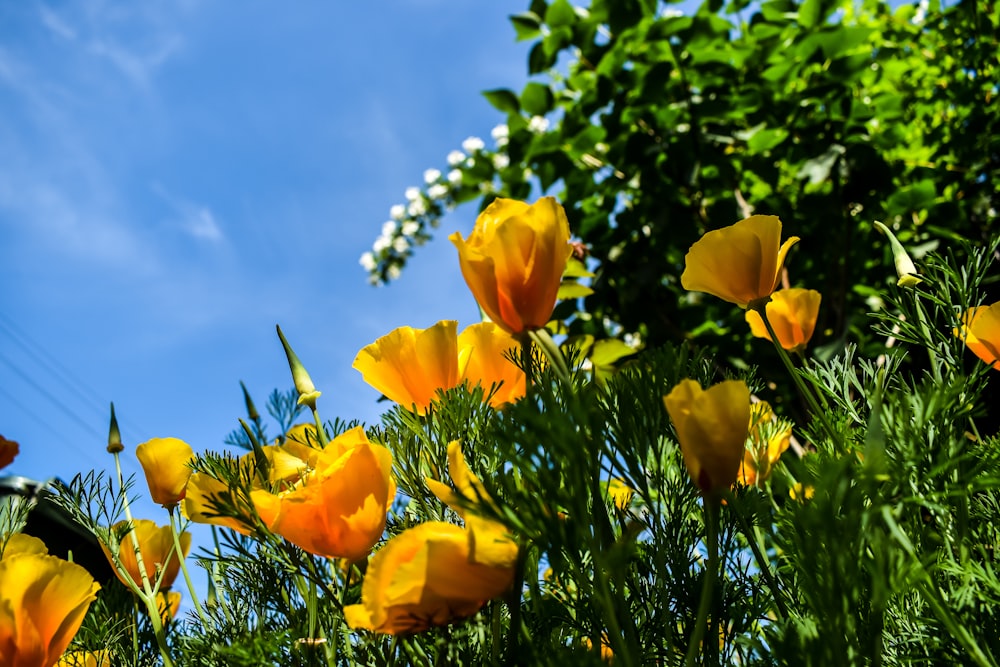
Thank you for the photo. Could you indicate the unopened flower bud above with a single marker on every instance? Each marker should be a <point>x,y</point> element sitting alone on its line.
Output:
<point>251,408</point>
<point>114,435</point>
<point>905,268</point>
<point>303,383</point>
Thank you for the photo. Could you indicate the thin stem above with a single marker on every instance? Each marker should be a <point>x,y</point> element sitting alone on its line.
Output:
<point>513,601</point>
<point>708,584</point>
<point>147,594</point>
<point>762,563</point>
<point>551,350</point>
<point>175,531</point>
<point>804,389</point>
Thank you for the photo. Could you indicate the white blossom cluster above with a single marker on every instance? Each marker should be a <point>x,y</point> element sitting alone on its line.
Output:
<point>409,222</point>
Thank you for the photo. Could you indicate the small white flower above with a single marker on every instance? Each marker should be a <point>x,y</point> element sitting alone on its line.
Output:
<point>437,191</point>
<point>381,243</point>
<point>455,176</point>
<point>416,208</point>
<point>486,187</point>
<point>473,145</point>
<point>397,212</point>
<point>374,280</point>
<point>501,160</point>
<point>412,194</point>
<point>431,176</point>
<point>633,340</point>
<point>400,245</point>
<point>601,147</point>
<point>538,124</point>
<point>410,228</point>
<point>367,260</point>
<point>456,158</point>
<point>392,272</point>
<point>500,134</point>
<point>388,228</point>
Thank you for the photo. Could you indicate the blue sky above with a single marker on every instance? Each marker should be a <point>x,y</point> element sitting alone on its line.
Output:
<point>177,177</point>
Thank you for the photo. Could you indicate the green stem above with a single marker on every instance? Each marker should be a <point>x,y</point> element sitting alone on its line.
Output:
<point>804,389</point>
<point>175,531</point>
<point>551,350</point>
<point>513,601</point>
<point>928,341</point>
<point>708,585</point>
<point>147,593</point>
<point>762,563</point>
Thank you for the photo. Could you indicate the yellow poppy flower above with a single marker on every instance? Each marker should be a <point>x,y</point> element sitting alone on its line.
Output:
<point>740,263</point>
<point>165,462</point>
<point>43,600</point>
<point>202,499</point>
<point>410,365</point>
<point>483,351</point>
<point>514,260</point>
<point>8,450</point>
<point>620,494</point>
<point>339,509</point>
<point>156,544</point>
<point>426,576</point>
<point>85,659</point>
<point>981,332</point>
<point>792,313</point>
<point>768,439</point>
<point>712,426</point>
<point>169,603</point>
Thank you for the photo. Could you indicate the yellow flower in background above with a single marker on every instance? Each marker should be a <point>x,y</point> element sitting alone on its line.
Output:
<point>8,450</point>
<point>410,365</point>
<point>483,353</point>
<point>792,313</point>
<point>424,577</point>
<point>620,493</point>
<point>768,439</point>
<point>514,259</point>
<point>165,462</point>
<point>169,603</point>
<point>981,332</point>
<point>85,659</point>
<point>156,544</point>
<point>43,600</point>
<point>740,263</point>
<point>712,426</point>
<point>801,492</point>
<point>337,510</point>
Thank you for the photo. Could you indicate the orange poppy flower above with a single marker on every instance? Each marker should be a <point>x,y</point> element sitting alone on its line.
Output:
<point>514,260</point>
<point>792,314</point>
<point>338,509</point>
<point>156,544</point>
<point>981,332</point>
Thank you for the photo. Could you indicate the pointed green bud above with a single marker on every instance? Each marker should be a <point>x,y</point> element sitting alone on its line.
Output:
<point>114,435</point>
<point>251,408</point>
<point>905,268</point>
<point>303,383</point>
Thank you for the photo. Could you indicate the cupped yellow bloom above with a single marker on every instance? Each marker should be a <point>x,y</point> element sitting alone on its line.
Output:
<point>620,494</point>
<point>338,509</point>
<point>426,576</point>
<point>43,600</point>
<point>514,260</point>
<point>792,313</point>
<point>484,352</point>
<point>410,365</point>
<point>156,544</point>
<point>768,439</point>
<point>740,263</point>
<point>981,333</point>
<point>712,426</point>
<point>8,450</point>
<point>166,464</point>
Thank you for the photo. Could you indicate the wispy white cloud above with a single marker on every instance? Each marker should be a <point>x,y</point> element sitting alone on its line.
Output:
<point>190,217</point>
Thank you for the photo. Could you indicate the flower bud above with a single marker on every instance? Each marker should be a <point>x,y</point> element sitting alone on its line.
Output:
<point>303,383</point>
<point>114,435</point>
